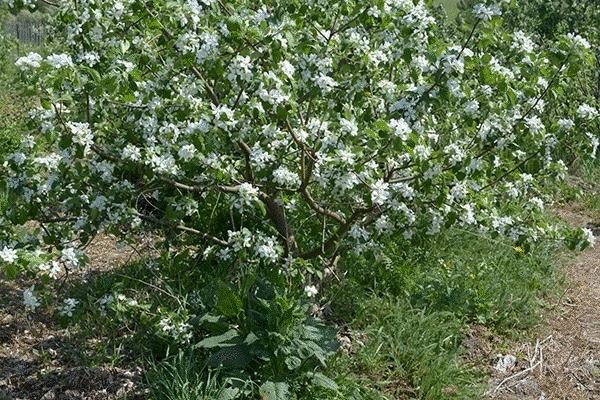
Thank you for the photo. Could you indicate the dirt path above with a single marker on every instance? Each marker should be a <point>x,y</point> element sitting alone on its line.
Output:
<point>564,361</point>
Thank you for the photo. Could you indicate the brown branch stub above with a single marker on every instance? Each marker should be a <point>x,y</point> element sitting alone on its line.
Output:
<point>276,214</point>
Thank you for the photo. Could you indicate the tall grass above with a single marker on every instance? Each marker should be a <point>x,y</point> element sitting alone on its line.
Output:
<point>180,377</point>
<point>412,310</point>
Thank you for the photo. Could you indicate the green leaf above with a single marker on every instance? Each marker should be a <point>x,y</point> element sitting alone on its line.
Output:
<point>261,208</point>
<point>487,76</point>
<point>128,97</point>
<point>227,339</point>
<point>274,391</point>
<point>573,69</point>
<point>209,318</point>
<point>229,394</point>
<point>228,303</point>
<point>95,75</point>
<point>10,272</point>
<point>293,362</point>
<point>237,357</point>
<point>382,125</point>
<point>320,380</point>
<point>46,104</point>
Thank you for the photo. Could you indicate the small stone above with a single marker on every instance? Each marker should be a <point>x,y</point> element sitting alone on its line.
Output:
<point>49,395</point>
<point>504,363</point>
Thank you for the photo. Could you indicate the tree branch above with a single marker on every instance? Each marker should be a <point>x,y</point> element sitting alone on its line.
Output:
<point>182,228</point>
<point>319,209</point>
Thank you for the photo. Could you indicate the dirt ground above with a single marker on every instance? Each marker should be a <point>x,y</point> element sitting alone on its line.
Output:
<point>563,362</point>
<point>39,360</point>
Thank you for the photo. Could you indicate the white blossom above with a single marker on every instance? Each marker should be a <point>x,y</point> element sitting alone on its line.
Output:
<point>131,152</point>
<point>267,250</point>
<point>400,128</point>
<point>59,60</point>
<point>287,68</point>
<point>311,291</point>
<point>588,237</point>
<point>566,124</point>
<point>285,177</point>
<point>349,126</point>
<point>187,152</point>
<point>380,192</point>
<point>68,307</point>
<point>534,124</point>
<point>326,83</point>
<point>52,269</point>
<point>70,256</point>
<point>485,12</point>
<point>585,111</point>
<point>8,255</point>
<point>29,62</point>
<point>30,301</point>
<point>578,41</point>
<point>472,108</point>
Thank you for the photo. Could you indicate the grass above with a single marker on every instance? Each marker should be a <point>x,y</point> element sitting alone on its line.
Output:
<point>415,308</point>
<point>11,119</point>
<point>590,195</point>
<point>478,279</point>
<point>181,377</point>
<point>411,310</point>
<point>410,353</point>
<point>13,107</point>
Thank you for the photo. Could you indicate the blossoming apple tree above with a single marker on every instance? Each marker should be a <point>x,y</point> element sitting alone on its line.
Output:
<point>289,132</point>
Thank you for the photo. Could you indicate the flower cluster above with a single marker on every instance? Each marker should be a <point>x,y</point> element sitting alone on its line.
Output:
<point>291,130</point>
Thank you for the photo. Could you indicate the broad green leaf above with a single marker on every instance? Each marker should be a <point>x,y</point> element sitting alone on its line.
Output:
<point>318,379</point>
<point>293,362</point>
<point>228,303</point>
<point>229,394</point>
<point>235,357</point>
<point>227,339</point>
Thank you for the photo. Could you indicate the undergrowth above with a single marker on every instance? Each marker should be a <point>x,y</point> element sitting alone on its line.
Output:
<point>406,317</point>
<point>13,106</point>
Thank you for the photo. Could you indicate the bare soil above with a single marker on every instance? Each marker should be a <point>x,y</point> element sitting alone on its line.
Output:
<point>563,361</point>
<point>40,360</point>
